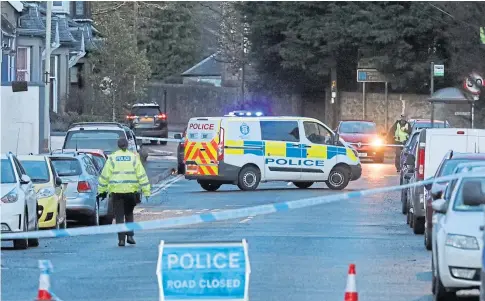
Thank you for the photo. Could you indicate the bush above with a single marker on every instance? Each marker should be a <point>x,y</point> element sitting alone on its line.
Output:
<point>61,122</point>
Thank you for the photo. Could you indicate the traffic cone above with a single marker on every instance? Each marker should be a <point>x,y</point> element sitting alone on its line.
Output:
<point>44,281</point>
<point>351,288</point>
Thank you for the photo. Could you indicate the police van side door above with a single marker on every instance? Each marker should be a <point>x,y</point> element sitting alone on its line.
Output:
<point>282,151</point>
<point>318,151</point>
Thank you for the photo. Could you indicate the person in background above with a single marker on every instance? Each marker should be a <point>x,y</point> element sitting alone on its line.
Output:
<point>400,132</point>
<point>123,175</point>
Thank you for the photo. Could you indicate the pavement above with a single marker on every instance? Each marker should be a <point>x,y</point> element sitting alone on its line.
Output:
<point>297,255</point>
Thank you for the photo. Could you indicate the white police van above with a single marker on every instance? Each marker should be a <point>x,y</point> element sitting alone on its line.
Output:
<point>246,150</point>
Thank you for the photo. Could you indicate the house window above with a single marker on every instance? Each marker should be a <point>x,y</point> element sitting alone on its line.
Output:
<point>23,64</point>
<point>79,8</point>
<point>60,7</point>
<point>57,3</point>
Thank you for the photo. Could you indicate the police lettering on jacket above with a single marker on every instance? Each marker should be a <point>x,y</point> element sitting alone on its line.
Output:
<point>295,162</point>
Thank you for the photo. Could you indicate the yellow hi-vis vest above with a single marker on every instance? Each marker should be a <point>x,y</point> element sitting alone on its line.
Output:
<point>401,133</point>
<point>123,173</point>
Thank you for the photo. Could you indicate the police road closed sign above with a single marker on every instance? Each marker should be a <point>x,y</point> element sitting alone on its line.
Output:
<point>203,271</point>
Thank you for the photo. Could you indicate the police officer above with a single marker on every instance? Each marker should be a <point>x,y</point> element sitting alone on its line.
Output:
<point>400,130</point>
<point>123,175</point>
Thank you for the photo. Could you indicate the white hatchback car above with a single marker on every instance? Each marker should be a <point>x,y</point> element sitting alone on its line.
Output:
<point>457,239</point>
<point>18,202</point>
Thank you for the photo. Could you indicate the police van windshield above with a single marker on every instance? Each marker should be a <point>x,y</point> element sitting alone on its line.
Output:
<point>358,127</point>
<point>106,140</point>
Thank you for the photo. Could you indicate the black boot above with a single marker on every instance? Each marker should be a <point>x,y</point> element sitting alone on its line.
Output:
<point>121,242</point>
<point>130,240</point>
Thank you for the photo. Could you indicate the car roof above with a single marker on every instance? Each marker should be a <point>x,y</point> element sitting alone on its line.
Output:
<point>356,120</point>
<point>146,104</point>
<point>32,157</point>
<point>476,156</point>
<point>71,155</point>
<point>96,126</point>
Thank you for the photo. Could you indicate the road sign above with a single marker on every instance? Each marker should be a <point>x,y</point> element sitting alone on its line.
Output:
<point>203,271</point>
<point>370,76</point>
<point>439,70</point>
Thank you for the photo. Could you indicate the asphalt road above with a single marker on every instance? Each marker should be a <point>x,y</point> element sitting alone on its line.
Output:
<point>298,255</point>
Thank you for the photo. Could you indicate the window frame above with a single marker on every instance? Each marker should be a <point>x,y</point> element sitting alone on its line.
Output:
<point>296,139</point>
<point>319,125</point>
<point>28,63</point>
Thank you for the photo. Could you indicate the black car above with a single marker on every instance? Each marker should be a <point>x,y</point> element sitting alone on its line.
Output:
<point>147,120</point>
<point>180,152</point>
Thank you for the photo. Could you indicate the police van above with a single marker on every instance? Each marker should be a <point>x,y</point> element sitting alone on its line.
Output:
<point>246,151</point>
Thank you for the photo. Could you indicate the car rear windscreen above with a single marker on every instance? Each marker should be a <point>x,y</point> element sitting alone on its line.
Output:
<point>358,127</point>
<point>106,140</point>
<point>7,174</point>
<point>427,125</point>
<point>145,111</point>
<point>66,167</point>
<point>36,170</point>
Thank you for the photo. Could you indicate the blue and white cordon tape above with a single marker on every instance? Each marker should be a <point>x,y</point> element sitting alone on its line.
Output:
<point>222,215</point>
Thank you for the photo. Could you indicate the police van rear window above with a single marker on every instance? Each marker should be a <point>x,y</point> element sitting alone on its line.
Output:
<point>280,131</point>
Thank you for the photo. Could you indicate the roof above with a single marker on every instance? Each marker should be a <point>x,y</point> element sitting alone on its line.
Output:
<point>152,104</point>
<point>96,125</point>
<point>210,66</point>
<point>473,156</point>
<point>17,5</point>
<point>450,96</point>
<point>8,28</point>
<point>31,157</point>
<point>261,118</point>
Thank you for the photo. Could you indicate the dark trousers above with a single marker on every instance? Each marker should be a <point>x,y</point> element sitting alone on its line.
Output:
<point>397,159</point>
<point>123,205</point>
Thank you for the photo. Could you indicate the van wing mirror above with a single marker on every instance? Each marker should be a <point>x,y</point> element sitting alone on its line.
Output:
<point>472,193</point>
<point>437,190</point>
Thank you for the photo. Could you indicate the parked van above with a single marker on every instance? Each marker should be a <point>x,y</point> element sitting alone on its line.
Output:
<point>245,151</point>
<point>433,145</point>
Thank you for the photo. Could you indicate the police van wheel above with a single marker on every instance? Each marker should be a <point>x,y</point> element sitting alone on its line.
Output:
<point>249,178</point>
<point>338,178</point>
<point>303,185</point>
<point>209,186</point>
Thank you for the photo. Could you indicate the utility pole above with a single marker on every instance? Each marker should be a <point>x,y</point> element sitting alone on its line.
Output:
<point>47,68</point>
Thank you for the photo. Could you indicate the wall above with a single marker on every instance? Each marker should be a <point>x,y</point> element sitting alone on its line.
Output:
<point>22,115</point>
<point>64,82</point>
<point>185,102</point>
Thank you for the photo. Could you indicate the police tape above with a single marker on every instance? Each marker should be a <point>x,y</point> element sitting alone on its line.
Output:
<point>159,139</point>
<point>222,215</point>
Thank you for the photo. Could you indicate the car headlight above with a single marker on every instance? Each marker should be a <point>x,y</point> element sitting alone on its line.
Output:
<point>45,192</point>
<point>10,197</point>
<point>462,242</point>
<point>377,142</point>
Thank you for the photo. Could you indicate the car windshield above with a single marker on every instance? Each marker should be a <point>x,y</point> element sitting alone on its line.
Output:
<point>427,124</point>
<point>458,204</point>
<point>7,174</point>
<point>67,166</point>
<point>106,140</point>
<point>358,127</point>
<point>36,170</point>
<point>142,111</point>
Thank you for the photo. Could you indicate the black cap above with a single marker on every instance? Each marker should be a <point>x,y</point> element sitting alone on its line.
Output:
<point>123,143</point>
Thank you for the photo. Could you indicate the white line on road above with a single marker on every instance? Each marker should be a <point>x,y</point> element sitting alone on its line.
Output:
<point>166,184</point>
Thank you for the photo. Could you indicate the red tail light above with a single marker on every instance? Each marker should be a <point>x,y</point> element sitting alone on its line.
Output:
<point>461,132</point>
<point>129,117</point>
<point>162,116</point>
<point>83,186</point>
<point>220,151</point>
<point>421,154</point>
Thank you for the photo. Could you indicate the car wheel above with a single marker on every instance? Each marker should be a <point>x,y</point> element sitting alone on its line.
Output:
<point>427,239</point>
<point>164,142</point>
<point>94,219</point>
<point>22,244</point>
<point>410,219</point>
<point>303,185</point>
<point>338,178</point>
<point>34,242</point>
<point>209,186</point>
<point>153,142</point>
<point>418,224</point>
<point>249,178</point>
<point>440,293</point>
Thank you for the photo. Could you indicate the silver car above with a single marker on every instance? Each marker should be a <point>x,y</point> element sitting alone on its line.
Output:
<point>81,174</point>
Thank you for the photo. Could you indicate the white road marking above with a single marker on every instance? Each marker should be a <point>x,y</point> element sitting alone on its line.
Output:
<point>166,184</point>
<point>138,210</point>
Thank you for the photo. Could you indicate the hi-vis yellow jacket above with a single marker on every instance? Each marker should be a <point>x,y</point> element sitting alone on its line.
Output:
<point>124,173</point>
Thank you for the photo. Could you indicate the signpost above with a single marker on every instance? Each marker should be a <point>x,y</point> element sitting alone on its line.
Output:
<point>203,271</point>
<point>372,76</point>
<point>439,70</point>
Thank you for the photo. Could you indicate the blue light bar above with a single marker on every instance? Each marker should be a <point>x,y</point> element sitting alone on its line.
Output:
<point>245,113</point>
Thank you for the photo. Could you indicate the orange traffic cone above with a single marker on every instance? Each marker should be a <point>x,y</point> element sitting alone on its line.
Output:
<point>351,288</point>
<point>44,281</point>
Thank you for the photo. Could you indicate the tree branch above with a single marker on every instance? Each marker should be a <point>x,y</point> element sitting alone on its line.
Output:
<point>112,9</point>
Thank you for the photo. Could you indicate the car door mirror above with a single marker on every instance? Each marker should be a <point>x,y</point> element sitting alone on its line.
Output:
<point>25,179</point>
<point>177,136</point>
<point>58,181</point>
<point>439,206</point>
<point>336,139</point>
<point>472,193</point>
<point>437,190</point>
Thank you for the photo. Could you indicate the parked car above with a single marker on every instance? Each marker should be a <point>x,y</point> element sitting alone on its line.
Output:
<point>98,155</point>
<point>19,201</point>
<point>433,145</point>
<point>147,120</point>
<point>50,190</point>
<point>99,135</point>
<point>80,173</point>
<point>180,151</point>
<point>418,123</point>
<point>405,170</point>
<point>363,135</point>
<point>435,190</point>
<point>457,239</point>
